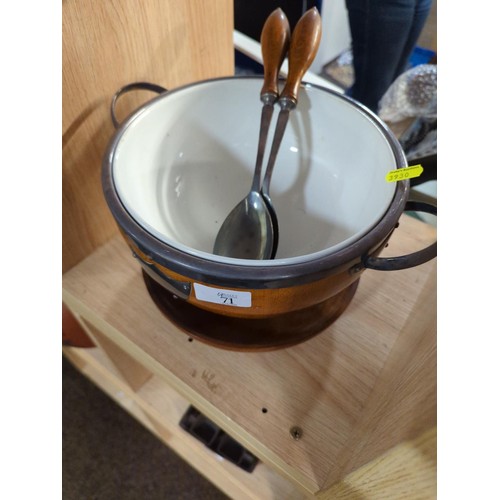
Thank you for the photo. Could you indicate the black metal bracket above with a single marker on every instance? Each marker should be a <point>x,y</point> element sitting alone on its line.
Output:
<point>212,436</point>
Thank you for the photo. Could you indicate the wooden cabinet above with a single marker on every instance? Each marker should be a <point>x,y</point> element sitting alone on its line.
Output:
<point>362,393</point>
<point>107,45</point>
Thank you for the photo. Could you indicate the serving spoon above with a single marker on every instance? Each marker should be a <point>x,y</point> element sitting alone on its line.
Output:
<point>247,232</point>
<point>303,49</point>
<point>251,230</point>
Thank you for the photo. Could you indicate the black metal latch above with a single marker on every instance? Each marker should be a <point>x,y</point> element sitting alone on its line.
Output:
<point>217,440</point>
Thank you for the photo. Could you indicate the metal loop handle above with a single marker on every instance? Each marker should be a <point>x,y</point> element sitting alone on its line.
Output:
<point>409,260</point>
<point>128,88</point>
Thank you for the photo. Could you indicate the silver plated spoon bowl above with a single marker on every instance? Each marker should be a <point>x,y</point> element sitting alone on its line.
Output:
<point>247,232</point>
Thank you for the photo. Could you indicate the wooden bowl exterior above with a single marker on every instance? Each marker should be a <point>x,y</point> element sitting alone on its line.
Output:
<point>269,290</point>
<point>266,302</point>
<point>250,334</point>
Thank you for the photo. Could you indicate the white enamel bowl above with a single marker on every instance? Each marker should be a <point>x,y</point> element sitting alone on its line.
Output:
<point>176,167</point>
<point>184,163</point>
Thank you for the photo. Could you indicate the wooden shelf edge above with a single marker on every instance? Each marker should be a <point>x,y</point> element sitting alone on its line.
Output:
<point>301,481</point>
<point>402,472</point>
<point>262,484</point>
<point>403,468</point>
<point>76,295</point>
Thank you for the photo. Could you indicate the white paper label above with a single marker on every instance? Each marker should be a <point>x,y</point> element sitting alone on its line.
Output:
<point>233,298</point>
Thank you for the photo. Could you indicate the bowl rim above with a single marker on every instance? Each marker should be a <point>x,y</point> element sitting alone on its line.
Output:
<point>236,272</point>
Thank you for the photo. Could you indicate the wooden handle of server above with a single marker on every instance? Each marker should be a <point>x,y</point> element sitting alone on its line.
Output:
<point>275,39</point>
<point>303,49</point>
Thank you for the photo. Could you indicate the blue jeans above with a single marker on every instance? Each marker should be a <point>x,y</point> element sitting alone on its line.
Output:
<point>384,34</point>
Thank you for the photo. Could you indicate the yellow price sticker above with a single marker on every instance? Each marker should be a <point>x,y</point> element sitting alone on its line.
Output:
<point>402,174</point>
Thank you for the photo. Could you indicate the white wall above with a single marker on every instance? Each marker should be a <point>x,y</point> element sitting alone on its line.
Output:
<point>336,35</point>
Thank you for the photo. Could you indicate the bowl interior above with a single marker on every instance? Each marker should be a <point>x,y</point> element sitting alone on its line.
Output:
<point>183,162</point>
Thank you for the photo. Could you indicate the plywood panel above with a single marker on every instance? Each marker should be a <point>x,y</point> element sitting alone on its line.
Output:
<point>105,46</point>
<point>403,402</point>
<point>132,372</point>
<point>160,410</point>
<point>406,472</point>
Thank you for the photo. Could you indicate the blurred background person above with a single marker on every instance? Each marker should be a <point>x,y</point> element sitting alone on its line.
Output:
<point>384,34</point>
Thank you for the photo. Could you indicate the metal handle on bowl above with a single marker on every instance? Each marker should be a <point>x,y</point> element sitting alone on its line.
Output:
<point>128,88</point>
<point>409,260</point>
<point>181,289</point>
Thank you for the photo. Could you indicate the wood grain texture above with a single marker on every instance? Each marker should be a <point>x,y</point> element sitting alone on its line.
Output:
<point>159,408</point>
<point>275,39</point>
<point>265,334</point>
<point>304,46</point>
<point>95,365</point>
<point>135,374</point>
<point>328,386</point>
<point>406,472</point>
<point>399,408</point>
<point>265,301</point>
<point>105,46</point>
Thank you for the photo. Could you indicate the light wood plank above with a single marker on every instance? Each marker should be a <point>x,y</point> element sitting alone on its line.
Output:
<point>105,46</point>
<point>160,400</point>
<point>406,472</point>
<point>93,364</point>
<point>400,409</point>
<point>159,408</point>
<point>135,374</point>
